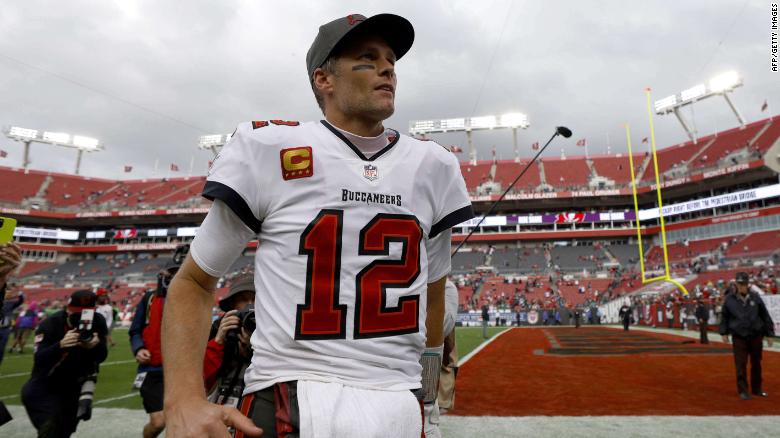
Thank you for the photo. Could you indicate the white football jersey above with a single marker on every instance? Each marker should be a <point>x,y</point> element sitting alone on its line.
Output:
<point>342,267</point>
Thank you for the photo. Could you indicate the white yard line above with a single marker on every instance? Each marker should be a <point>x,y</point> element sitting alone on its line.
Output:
<point>121,397</point>
<point>479,348</point>
<point>118,362</point>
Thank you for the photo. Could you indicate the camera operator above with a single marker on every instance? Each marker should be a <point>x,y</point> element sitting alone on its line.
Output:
<point>69,346</point>
<point>228,351</point>
<point>145,341</point>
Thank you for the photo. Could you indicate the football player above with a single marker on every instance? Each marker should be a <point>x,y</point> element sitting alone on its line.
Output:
<point>353,221</point>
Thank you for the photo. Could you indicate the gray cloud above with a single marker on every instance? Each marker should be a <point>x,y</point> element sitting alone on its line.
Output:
<point>213,64</point>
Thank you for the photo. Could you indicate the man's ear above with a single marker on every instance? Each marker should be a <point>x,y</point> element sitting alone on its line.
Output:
<point>323,81</point>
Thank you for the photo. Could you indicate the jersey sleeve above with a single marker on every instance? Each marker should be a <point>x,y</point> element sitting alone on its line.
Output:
<point>220,240</point>
<point>453,204</point>
<point>234,178</point>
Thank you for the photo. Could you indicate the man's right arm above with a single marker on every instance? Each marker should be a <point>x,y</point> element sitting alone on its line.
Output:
<point>186,325</point>
<point>185,331</point>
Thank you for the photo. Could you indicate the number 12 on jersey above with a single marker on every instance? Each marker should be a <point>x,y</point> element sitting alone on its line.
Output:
<point>321,316</point>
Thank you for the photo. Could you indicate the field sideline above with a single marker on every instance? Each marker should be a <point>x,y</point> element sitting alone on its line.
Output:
<point>118,371</point>
<point>108,419</point>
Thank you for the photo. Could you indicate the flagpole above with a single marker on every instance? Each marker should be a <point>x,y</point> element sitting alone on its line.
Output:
<point>156,162</point>
<point>609,147</point>
<point>192,163</point>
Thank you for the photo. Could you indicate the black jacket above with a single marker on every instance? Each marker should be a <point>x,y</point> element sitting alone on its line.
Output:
<point>746,319</point>
<point>65,367</point>
<point>702,312</point>
<point>625,313</point>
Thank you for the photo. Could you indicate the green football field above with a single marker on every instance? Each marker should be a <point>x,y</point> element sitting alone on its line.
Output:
<point>114,388</point>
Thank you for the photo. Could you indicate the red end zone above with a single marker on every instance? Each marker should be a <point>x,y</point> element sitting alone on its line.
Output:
<point>604,371</point>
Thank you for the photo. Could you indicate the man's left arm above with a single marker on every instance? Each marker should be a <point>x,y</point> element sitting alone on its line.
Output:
<point>434,319</point>
<point>763,313</point>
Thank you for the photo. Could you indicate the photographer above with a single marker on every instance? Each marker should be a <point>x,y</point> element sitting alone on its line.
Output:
<point>145,340</point>
<point>69,346</point>
<point>228,351</point>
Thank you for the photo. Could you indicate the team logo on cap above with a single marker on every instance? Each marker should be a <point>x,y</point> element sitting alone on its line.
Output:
<point>296,162</point>
<point>370,173</point>
<point>354,19</point>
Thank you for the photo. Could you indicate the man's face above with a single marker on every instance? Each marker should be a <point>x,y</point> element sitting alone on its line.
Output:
<point>364,84</point>
<point>742,288</point>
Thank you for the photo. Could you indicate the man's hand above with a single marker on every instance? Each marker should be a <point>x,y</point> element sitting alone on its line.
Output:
<point>229,322</point>
<point>199,418</point>
<point>244,343</point>
<point>769,342</point>
<point>71,339</point>
<point>143,356</point>
<point>91,343</point>
<point>10,258</point>
<point>725,338</point>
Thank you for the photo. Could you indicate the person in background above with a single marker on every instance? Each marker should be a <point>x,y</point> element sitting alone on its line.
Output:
<point>702,315</point>
<point>449,366</point>
<point>625,315</point>
<point>145,341</point>
<point>746,319</point>
<point>25,324</point>
<point>65,358</point>
<point>107,310</point>
<point>228,351</point>
<point>10,258</point>
<point>485,319</point>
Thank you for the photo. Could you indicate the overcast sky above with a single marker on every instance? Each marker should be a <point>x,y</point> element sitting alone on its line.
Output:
<point>148,78</point>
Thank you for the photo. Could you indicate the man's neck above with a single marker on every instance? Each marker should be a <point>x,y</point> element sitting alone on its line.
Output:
<point>361,127</point>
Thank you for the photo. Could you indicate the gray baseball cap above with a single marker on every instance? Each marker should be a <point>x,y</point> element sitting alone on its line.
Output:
<point>396,30</point>
<point>242,283</point>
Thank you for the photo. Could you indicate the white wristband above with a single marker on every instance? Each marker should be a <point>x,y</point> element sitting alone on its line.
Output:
<point>431,367</point>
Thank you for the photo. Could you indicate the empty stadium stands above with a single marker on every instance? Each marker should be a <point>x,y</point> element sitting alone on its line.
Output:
<point>577,258</point>
<point>566,172</point>
<point>727,142</point>
<point>476,174</point>
<point>66,190</point>
<point>507,171</point>
<point>16,185</point>
<point>466,261</point>
<point>755,244</point>
<point>519,260</point>
<point>616,168</point>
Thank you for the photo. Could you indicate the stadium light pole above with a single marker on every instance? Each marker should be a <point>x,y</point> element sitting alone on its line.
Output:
<point>28,136</point>
<point>468,124</point>
<point>720,85</point>
<point>213,142</point>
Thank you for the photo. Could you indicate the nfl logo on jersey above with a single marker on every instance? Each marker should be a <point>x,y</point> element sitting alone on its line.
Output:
<point>369,172</point>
